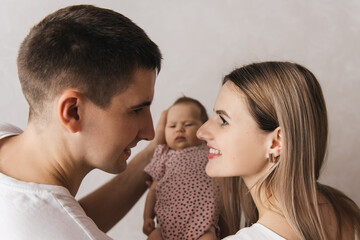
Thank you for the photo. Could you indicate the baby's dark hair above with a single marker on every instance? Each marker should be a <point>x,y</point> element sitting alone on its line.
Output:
<point>203,115</point>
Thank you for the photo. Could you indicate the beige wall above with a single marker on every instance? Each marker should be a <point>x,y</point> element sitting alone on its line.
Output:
<point>202,41</point>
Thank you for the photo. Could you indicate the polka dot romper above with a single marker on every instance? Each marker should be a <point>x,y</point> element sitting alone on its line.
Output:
<point>187,203</point>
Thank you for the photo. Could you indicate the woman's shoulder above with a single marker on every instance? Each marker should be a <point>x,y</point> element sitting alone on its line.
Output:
<point>255,232</point>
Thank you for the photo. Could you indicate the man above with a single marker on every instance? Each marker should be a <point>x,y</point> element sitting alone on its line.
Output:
<point>88,75</point>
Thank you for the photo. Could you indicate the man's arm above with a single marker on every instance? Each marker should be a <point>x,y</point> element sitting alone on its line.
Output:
<point>112,201</point>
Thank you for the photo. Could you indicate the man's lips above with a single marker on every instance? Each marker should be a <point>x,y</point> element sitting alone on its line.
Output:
<point>127,150</point>
<point>132,145</point>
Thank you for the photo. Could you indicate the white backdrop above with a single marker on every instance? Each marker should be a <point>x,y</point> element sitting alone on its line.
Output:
<point>203,40</point>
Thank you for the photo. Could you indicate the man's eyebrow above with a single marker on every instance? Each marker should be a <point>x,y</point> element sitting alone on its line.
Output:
<point>141,105</point>
<point>222,112</point>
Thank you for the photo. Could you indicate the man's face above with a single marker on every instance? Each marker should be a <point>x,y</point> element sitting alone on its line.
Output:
<point>110,133</point>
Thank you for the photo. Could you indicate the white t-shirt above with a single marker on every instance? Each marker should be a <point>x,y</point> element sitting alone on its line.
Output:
<point>38,211</point>
<point>255,232</point>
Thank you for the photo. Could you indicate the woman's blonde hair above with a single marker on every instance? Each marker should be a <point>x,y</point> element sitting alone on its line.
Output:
<point>288,95</point>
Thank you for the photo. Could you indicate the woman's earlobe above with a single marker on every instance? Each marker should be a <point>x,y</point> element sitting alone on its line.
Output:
<point>277,143</point>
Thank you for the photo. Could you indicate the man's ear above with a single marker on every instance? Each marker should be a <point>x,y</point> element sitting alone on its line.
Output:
<point>68,110</point>
<point>276,142</point>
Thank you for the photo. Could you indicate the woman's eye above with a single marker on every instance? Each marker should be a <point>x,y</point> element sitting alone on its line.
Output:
<point>224,122</point>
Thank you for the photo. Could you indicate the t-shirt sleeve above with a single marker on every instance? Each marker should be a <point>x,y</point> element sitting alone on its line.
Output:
<point>7,130</point>
<point>156,167</point>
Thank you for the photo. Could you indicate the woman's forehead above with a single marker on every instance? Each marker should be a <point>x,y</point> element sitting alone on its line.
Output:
<point>230,96</point>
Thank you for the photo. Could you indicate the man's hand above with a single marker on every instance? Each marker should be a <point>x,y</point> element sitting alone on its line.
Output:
<point>160,130</point>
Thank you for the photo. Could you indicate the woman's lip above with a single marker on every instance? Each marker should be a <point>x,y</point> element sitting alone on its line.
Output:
<point>212,148</point>
<point>211,156</point>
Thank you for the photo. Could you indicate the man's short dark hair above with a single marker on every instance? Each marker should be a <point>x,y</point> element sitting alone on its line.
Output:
<point>92,49</point>
<point>203,115</point>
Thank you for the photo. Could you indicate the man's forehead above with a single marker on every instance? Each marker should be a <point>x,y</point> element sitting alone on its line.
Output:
<point>134,99</point>
<point>140,92</point>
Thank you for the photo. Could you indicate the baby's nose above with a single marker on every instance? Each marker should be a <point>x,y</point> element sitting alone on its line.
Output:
<point>180,129</point>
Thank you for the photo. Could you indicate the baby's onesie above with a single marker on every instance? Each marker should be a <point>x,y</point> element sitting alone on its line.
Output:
<point>187,200</point>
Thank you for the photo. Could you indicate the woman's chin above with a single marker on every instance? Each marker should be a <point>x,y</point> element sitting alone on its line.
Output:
<point>211,171</point>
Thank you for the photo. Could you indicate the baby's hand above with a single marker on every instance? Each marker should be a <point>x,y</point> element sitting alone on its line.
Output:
<point>149,226</point>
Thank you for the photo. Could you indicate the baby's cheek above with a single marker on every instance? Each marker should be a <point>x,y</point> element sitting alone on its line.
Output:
<point>167,137</point>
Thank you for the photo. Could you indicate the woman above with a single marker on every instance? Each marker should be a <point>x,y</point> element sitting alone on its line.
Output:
<point>269,138</point>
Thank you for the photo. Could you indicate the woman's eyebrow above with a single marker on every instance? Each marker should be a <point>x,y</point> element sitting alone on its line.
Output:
<point>222,112</point>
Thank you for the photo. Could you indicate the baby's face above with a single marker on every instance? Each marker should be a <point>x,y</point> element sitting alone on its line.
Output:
<point>183,120</point>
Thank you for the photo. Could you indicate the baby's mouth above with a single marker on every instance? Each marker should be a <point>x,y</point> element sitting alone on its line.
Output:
<point>180,138</point>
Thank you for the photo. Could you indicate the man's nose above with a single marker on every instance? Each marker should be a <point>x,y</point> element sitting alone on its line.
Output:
<point>147,131</point>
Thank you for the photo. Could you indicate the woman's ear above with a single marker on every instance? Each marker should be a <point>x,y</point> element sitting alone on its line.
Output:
<point>276,145</point>
<point>68,110</point>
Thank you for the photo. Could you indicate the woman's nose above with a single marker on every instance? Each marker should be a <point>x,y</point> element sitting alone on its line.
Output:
<point>202,133</point>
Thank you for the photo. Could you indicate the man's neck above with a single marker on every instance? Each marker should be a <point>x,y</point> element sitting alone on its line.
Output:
<point>33,157</point>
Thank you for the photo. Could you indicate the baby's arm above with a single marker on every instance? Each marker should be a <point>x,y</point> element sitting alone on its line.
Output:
<point>149,213</point>
<point>209,235</point>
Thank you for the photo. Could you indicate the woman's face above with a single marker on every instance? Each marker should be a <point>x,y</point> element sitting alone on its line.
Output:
<point>238,147</point>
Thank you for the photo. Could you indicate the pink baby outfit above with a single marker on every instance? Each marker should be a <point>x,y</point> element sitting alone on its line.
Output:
<point>187,201</point>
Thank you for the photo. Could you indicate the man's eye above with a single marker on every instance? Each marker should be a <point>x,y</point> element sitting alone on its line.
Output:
<point>224,122</point>
<point>138,110</point>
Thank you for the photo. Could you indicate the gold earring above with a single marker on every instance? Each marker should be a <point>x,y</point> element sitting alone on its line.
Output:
<point>272,159</point>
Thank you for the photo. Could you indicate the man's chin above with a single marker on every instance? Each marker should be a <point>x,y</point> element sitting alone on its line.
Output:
<point>122,168</point>
<point>117,169</point>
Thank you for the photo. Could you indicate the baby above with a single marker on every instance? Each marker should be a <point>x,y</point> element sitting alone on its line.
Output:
<point>183,198</point>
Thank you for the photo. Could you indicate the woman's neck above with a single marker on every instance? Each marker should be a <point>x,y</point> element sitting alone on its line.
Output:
<point>271,214</point>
